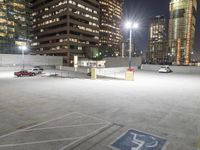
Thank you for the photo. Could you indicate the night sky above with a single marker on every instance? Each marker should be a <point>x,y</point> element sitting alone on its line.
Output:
<point>143,10</point>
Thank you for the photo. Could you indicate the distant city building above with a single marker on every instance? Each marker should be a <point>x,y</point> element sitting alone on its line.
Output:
<point>157,49</point>
<point>14,25</point>
<point>110,21</point>
<point>65,27</point>
<point>182,30</point>
<point>135,51</point>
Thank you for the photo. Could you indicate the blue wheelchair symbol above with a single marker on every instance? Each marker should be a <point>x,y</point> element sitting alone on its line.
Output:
<point>135,140</point>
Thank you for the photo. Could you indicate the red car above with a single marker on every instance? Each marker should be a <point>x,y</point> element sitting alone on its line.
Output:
<point>24,73</point>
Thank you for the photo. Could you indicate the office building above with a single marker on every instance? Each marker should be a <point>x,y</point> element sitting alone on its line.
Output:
<point>157,53</point>
<point>110,22</point>
<point>14,25</point>
<point>65,27</point>
<point>135,50</point>
<point>182,30</point>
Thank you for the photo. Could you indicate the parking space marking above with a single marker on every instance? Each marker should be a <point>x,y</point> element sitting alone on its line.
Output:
<point>73,140</point>
<point>17,131</point>
<point>94,118</point>
<point>90,134</point>
<point>138,140</point>
<point>68,145</point>
<point>80,116</point>
<point>60,127</point>
<point>40,142</point>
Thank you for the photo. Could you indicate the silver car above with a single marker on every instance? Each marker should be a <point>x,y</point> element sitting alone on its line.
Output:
<point>164,69</point>
<point>35,70</point>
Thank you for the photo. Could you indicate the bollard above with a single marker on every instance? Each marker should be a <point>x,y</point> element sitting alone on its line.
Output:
<point>93,73</point>
<point>129,75</point>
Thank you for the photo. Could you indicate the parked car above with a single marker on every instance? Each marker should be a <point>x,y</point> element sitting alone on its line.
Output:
<point>35,70</point>
<point>24,73</point>
<point>164,69</point>
<point>39,67</point>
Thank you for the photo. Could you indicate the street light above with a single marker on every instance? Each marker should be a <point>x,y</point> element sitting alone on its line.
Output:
<point>131,26</point>
<point>23,48</point>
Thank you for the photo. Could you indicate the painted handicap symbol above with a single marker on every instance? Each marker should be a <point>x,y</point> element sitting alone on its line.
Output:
<point>135,140</point>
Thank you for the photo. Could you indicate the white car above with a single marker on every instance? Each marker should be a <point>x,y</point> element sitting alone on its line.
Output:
<point>164,69</point>
<point>35,70</point>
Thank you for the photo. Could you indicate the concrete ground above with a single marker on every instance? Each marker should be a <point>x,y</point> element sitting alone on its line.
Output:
<point>51,113</point>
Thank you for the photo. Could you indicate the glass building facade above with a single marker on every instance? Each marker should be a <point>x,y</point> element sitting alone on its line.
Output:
<point>182,30</point>
<point>157,53</point>
<point>14,25</point>
<point>65,27</point>
<point>110,22</point>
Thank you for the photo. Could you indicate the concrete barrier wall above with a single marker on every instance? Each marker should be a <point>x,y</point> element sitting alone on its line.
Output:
<point>122,62</point>
<point>116,70</point>
<point>12,68</point>
<point>176,69</point>
<point>30,60</point>
<point>17,68</point>
<point>118,73</point>
<point>79,69</point>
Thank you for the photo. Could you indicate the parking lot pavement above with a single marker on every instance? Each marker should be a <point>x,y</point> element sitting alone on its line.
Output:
<point>198,144</point>
<point>6,74</point>
<point>53,134</point>
<point>64,114</point>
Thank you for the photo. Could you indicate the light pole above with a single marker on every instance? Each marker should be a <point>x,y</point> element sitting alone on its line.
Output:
<point>23,48</point>
<point>131,26</point>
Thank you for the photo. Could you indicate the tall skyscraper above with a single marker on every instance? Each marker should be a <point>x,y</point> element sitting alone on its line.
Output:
<point>110,21</point>
<point>157,53</point>
<point>65,27</point>
<point>182,30</point>
<point>14,25</point>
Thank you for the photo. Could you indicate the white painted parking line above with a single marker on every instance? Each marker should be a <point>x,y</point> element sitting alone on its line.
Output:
<point>68,145</point>
<point>17,131</point>
<point>94,118</point>
<point>40,142</point>
<point>52,120</point>
<point>90,134</point>
<point>73,115</point>
<point>60,127</point>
